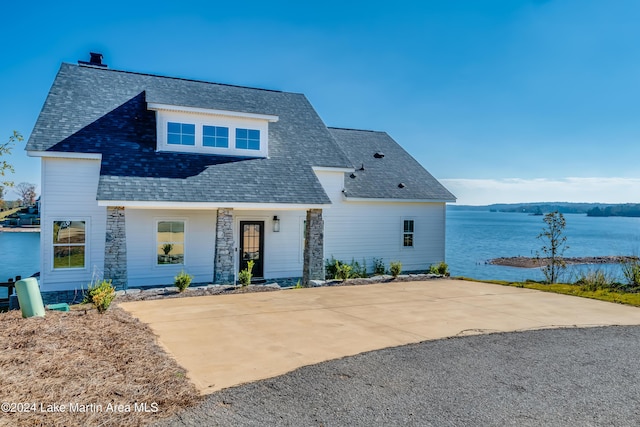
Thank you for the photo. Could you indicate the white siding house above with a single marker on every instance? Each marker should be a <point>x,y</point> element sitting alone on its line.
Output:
<point>144,176</point>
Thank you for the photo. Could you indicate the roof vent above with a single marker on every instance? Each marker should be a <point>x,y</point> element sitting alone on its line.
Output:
<point>353,175</point>
<point>95,61</point>
<point>401,185</point>
<point>361,167</point>
<point>378,155</point>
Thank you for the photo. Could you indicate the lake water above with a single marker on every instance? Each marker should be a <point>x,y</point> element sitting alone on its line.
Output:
<point>474,237</point>
<point>20,255</point>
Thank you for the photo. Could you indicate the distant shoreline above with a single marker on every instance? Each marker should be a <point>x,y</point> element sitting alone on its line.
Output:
<point>19,229</point>
<point>531,262</point>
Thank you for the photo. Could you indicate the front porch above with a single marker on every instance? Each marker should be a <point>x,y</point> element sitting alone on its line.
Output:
<point>148,246</point>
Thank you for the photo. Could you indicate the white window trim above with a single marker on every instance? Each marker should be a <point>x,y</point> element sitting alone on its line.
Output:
<point>87,261</point>
<point>200,120</point>
<point>402,233</point>
<point>157,242</point>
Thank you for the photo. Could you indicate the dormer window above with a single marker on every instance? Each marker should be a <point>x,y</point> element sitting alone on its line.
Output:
<point>215,136</point>
<point>248,139</point>
<point>198,130</point>
<point>181,133</point>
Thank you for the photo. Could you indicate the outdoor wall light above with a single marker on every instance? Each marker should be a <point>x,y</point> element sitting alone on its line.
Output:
<point>276,224</point>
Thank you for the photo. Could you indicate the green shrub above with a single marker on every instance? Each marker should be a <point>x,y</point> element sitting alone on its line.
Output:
<point>378,267</point>
<point>298,285</point>
<point>343,271</point>
<point>396,268</point>
<point>100,295</point>
<point>182,280</point>
<point>442,269</point>
<point>359,270</point>
<point>330,267</point>
<point>594,280</point>
<point>244,277</point>
<point>631,272</point>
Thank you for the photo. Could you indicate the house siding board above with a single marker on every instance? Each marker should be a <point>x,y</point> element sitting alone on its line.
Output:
<point>283,249</point>
<point>357,230</point>
<point>142,266</point>
<point>69,189</point>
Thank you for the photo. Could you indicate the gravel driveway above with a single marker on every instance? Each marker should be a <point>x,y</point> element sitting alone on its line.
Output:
<point>561,377</point>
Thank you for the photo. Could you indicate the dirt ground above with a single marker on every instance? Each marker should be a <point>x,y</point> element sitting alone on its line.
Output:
<point>84,368</point>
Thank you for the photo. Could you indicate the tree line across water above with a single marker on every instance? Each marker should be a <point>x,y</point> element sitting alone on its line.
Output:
<point>540,208</point>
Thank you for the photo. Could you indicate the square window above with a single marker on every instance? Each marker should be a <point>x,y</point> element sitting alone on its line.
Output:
<point>215,136</point>
<point>181,133</point>
<point>248,139</point>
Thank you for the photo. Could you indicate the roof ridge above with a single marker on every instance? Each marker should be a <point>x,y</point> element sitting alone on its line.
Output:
<point>357,130</point>
<point>174,78</point>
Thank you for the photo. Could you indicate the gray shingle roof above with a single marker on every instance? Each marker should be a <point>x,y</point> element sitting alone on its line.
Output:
<point>97,110</point>
<point>381,177</point>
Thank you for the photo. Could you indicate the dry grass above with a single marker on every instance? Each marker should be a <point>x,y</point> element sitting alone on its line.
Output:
<point>83,358</point>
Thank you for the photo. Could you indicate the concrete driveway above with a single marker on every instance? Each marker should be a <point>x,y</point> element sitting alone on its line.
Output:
<point>226,340</point>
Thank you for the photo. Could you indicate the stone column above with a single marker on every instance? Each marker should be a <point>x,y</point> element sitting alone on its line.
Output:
<point>115,248</point>
<point>223,262</point>
<point>313,268</point>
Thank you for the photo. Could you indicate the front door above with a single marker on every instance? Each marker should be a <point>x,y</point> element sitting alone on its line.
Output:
<point>252,246</point>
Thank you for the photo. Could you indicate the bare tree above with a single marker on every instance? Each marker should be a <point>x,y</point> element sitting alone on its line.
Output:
<point>554,247</point>
<point>27,193</point>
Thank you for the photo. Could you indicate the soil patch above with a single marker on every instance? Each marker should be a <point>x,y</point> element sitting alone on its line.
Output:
<point>532,262</point>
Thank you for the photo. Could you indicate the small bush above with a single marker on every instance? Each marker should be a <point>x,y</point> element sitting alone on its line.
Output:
<point>182,281</point>
<point>442,269</point>
<point>378,267</point>
<point>298,285</point>
<point>631,272</point>
<point>244,277</point>
<point>594,280</point>
<point>330,267</point>
<point>343,271</point>
<point>396,268</point>
<point>359,270</point>
<point>100,295</point>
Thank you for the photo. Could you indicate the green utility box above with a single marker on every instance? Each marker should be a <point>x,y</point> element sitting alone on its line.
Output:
<point>29,297</point>
<point>63,306</point>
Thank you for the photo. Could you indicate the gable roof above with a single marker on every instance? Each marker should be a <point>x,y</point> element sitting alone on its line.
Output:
<point>97,110</point>
<point>103,111</point>
<point>382,178</point>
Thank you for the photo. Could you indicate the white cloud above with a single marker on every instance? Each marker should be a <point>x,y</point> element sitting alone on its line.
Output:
<point>516,190</point>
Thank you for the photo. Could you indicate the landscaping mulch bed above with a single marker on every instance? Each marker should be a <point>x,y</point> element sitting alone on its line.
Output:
<point>162,293</point>
<point>108,365</point>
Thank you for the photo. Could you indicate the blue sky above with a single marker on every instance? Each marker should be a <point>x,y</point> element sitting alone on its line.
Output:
<point>503,101</point>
